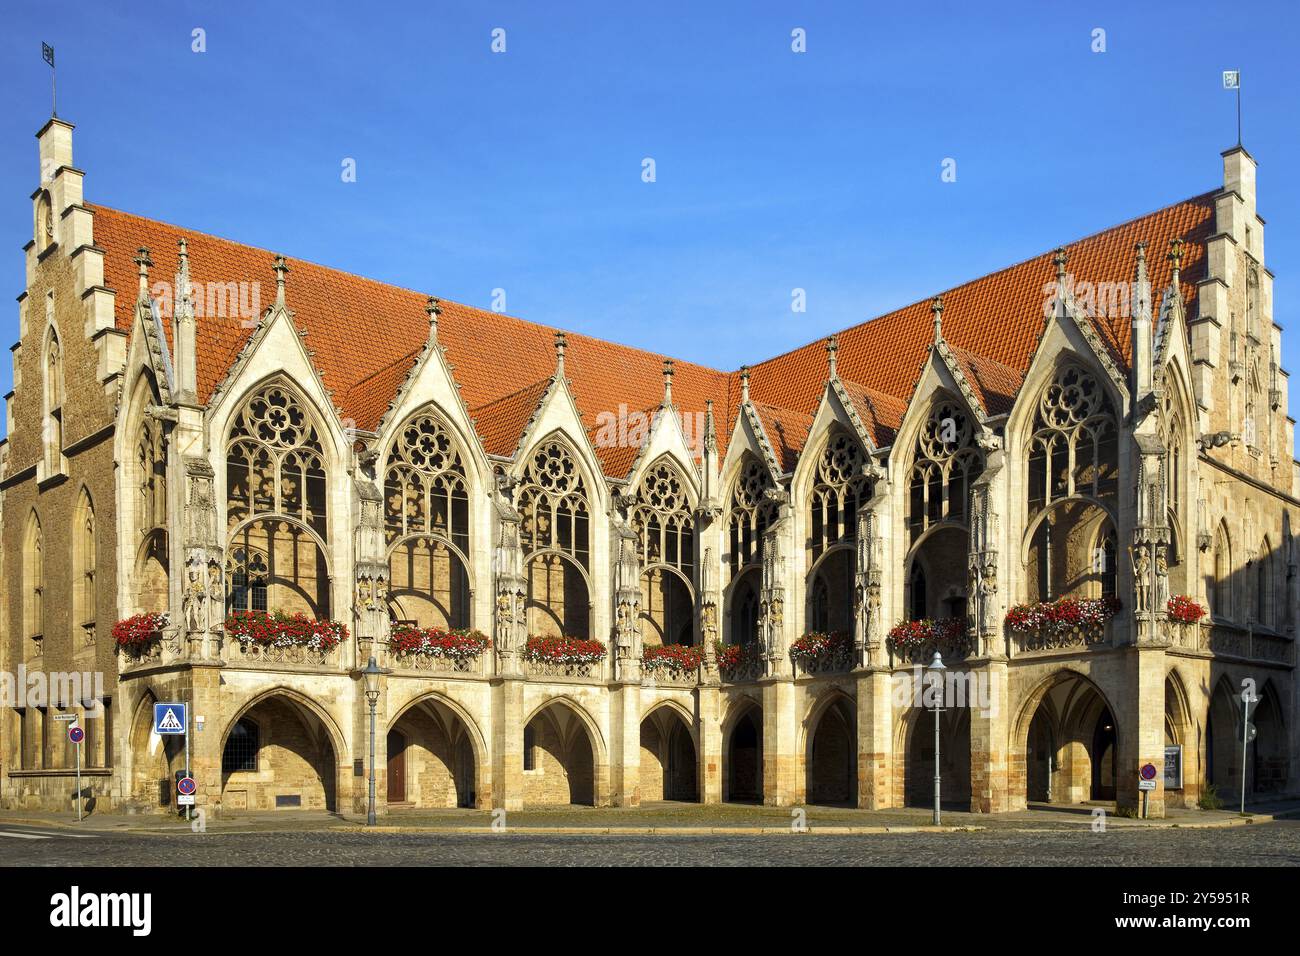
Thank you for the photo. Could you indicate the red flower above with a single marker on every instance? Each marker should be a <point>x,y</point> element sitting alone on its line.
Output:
<point>138,630</point>
<point>563,650</point>
<point>1184,609</point>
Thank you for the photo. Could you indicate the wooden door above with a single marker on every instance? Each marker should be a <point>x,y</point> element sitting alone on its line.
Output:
<point>396,767</point>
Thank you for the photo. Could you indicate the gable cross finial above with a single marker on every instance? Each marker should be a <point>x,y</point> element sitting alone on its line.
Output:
<point>832,348</point>
<point>1059,259</point>
<point>433,310</point>
<point>281,269</point>
<point>560,345</point>
<point>668,382</point>
<point>1176,259</point>
<point>744,383</point>
<point>936,312</point>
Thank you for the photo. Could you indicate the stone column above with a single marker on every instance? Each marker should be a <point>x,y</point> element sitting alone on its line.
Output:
<point>625,744</point>
<point>990,733</point>
<point>508,743</point>
<point>708,721</point>
<point>875,742</point>
<point>1142,729</point>
<point>205,745</point>
<point>780,743</point>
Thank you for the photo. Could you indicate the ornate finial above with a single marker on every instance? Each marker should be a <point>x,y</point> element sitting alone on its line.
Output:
<point>744,383</point>
<point>560,342</point>
<point>1060,258</point>
<point>433,310</point>
<point>1176,259</point>
<point>936,312</point>
<point>668,382</point>
<point>143,262</point>
<point>832,347</point>
<point>281,269</point>
<point>182,308</point>
<point>710,430</point>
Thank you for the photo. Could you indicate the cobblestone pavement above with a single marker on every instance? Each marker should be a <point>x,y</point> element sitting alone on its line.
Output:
<point>1264,844</point>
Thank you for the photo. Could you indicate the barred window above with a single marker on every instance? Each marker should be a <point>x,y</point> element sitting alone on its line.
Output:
<point>241,748</point>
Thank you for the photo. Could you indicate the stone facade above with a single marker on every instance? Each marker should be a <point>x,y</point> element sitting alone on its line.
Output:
<point>129,486</point>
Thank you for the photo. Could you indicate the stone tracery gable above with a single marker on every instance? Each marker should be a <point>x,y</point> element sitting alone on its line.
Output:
<point>1073,450</point>
<point>841,489</point>
<point>662,519</point>
<point>946,462</point>
<point>553,503</point>
<point>275,461</point>
<point>425,487</point>
<point>752,510</point>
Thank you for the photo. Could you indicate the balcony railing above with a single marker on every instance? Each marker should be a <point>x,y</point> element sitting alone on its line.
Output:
<point>663,676</point>
<point>438,664</point>
<point>252,654</point>
<point>838,660</point>
<point>1232,640</point>
<point>547,669</point>
<point>956,648</point>
<point>1049,639</point>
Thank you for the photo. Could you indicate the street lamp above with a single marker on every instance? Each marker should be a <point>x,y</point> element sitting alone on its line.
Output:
<point>936,668</point>
<point>372,674</point>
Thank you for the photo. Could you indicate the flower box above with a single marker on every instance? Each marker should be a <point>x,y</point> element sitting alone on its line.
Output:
<point>260,629</point>
<point>563,650</point>
<point>137,632</point>
<point>1062,614</point>
<point>816,646</point>
<point>457,644</point>
<point>912,634</point>
<point>676,658</point>
<point>1183,609</point>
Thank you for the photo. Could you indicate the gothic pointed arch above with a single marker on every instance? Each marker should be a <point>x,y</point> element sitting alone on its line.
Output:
<point>554,505</point>
<point>85,564</point>
<point>427,526</point>
<point>276,505</point>
<point>662,518</point>
<point>34,598</point>
<point>841,489</point>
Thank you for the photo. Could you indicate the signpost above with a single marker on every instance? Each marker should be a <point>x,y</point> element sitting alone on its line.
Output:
<point>1247,735</point>
<point>77,735</point>
<point>174,718</point>
<point>1146,783</point>
<point>185,788</point>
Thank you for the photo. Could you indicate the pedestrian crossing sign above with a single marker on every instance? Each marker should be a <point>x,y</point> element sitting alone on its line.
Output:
<point>169,718</point>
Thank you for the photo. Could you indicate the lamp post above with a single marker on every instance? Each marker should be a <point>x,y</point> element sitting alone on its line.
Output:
<point>936,669</point>
<point>372,674</point>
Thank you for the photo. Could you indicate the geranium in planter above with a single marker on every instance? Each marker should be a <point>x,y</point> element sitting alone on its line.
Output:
<point>139,631</point>
<point>815,646</point>
<point>457,644</point>
<point>911,634</point>
<point>731,656</point>
<point>563,650</point>
<point>1183,609</point>
<point>677,658</point>
<point>258,628</point>
<point>1062,614</point>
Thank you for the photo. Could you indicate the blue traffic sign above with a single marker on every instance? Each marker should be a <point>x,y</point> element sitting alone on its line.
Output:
<point>169,719</point>
<point>76,734</point>
<point>186,786</point>
<point>1148,771</point>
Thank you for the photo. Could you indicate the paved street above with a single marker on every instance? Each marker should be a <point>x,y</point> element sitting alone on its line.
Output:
<point>1264,844</point>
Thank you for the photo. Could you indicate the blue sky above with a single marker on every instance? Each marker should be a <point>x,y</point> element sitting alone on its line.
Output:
<point>774,170</point>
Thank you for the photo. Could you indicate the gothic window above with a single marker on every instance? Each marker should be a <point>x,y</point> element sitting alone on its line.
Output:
<point>275,473</point>
<point>53,372</point>
<point>425,490</point>
<point>552,501</point>
<point>840,490</point>
<point>751,513</point>
<point>275,462</point>
<point>240,754</point>
<point>1264,585</point>
<point>1219,589</point>
<point>918,600</point>
<point>151,477</point>
<point>1107,572</point>
<point>946,464</point>
<point>1073,451</point>
<point>33,588</point>
<point>84,567</point>
<point>661,518</point>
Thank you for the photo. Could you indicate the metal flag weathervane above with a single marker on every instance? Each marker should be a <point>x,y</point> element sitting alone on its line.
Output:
<point>47,52</point>
<point>1232,81</point>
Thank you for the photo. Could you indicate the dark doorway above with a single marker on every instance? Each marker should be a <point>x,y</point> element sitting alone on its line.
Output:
<point>1103,757</point>
<point>396,767</point>
<point>746,777</point>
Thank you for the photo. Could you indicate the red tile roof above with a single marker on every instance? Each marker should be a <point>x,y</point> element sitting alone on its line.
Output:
<point>365,336</point>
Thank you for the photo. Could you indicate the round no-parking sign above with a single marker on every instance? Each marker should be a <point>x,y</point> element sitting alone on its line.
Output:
<point>76,734</point>
<point>186,786</point>
<point>1148,771</point>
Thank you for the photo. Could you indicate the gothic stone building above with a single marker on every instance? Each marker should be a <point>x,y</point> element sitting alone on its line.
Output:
<point>1106,421</point>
